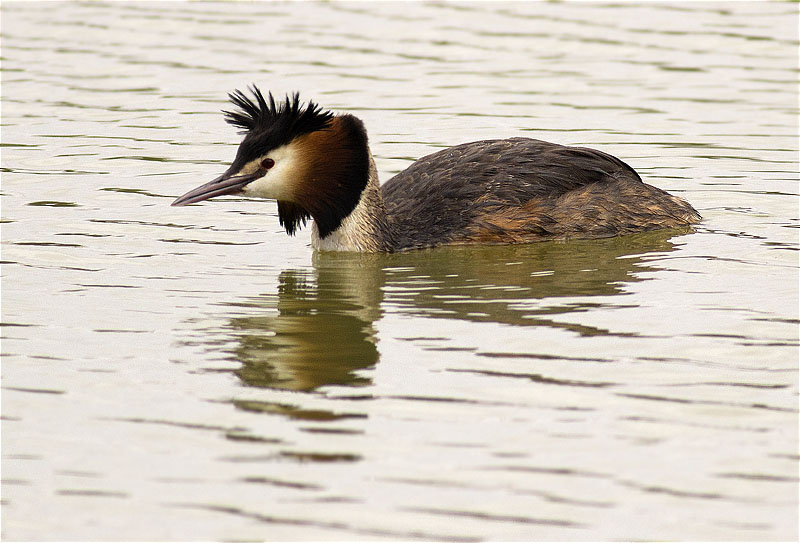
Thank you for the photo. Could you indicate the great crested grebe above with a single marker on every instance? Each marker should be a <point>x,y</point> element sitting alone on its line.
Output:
<point>518,190</point>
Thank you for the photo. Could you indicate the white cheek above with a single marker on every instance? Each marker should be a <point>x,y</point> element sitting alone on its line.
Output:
<point>280,181</point>
<point>264,187</point>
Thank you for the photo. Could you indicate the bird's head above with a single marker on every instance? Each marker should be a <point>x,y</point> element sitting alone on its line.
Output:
<point>314,163</point>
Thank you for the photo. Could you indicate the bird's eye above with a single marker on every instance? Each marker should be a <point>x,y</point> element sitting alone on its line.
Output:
<point>267,163</point>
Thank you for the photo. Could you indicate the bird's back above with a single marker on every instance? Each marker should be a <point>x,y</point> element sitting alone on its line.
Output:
<point>520,190</point>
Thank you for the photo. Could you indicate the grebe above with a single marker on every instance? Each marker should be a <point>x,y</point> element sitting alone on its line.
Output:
<point>318,165</point>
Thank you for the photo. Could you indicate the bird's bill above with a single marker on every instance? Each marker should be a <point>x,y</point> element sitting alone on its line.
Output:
<point>224,184</point>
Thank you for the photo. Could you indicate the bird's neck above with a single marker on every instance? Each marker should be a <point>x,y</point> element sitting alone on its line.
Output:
<point>366,228</point>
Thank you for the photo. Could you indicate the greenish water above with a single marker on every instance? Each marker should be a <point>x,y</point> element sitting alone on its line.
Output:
<point>195,374</point>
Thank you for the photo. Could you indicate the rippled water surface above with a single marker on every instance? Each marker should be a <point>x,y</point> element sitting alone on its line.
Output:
<point>194,373</point>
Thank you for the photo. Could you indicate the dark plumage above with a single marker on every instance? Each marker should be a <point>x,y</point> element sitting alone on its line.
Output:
<point>520,190</point>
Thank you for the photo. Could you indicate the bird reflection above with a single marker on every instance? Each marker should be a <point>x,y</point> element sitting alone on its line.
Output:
<point>321,335</point>
<point>319,329</point>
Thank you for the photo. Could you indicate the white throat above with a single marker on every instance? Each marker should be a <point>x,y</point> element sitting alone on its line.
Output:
<point>350,236</point>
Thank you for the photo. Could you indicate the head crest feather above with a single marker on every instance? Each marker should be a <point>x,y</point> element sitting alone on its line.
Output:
<point>289,117</point>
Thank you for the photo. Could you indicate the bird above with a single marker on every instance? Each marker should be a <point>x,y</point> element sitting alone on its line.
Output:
<point>318,166</point>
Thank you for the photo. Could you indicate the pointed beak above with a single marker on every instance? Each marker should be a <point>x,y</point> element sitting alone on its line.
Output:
<point>224,184</point>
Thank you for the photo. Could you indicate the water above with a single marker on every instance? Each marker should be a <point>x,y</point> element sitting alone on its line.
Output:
<point>193,373</point>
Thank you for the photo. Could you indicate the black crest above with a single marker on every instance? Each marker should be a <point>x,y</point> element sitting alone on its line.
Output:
<point>284,120</point>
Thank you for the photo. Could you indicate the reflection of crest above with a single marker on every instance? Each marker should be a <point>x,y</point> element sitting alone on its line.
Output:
<point>323,332</point>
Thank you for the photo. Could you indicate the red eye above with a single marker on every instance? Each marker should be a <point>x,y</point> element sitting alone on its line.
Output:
<point>267,163</point>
